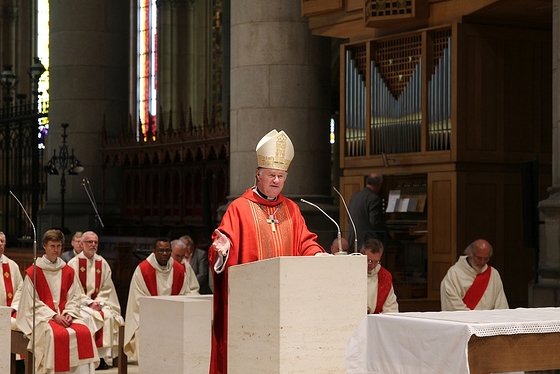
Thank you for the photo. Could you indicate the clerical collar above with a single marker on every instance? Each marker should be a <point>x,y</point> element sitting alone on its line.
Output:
<point>256,189</point>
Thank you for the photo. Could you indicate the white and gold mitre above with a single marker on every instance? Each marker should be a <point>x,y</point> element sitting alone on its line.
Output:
<point>275,151</point>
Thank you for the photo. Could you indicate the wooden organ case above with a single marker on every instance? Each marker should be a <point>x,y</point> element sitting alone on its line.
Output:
<point>448,113</point>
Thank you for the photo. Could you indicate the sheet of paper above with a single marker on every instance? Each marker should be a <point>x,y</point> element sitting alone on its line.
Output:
<point>394,195</point>
<point>403,204</point>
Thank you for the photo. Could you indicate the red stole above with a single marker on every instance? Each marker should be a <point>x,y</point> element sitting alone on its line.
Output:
<point>82,263</point>
<point>60,333</point>
<point>149,275</point>
<point>384,284</point>
<point>83,275</point>
<point>8,285</point>
<point>477,289</point>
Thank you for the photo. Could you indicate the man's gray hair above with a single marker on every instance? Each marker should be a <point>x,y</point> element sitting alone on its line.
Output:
<point>179,243</point>
<point>187,238</point>
<point>82,238</point>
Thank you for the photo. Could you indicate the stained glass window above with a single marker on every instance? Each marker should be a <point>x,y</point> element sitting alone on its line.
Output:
<point>147,64</point>
<point>43,28</point>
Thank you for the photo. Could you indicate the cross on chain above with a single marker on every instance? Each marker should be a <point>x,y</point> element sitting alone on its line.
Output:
<point>271,221</point>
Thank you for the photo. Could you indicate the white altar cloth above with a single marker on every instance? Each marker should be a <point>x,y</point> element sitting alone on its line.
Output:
<point>436,342</point>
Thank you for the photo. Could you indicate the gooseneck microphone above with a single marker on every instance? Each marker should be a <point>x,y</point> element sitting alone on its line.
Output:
<point>340,251</point>
<point>91,198</point>
<point>351,220</point>
<point>34,276</point>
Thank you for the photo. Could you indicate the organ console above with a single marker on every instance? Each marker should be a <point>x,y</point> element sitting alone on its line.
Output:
<point>406,216</point>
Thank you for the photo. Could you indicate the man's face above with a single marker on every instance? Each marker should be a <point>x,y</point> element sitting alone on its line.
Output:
<point>90,242</point>
<point>53,249</point>
<point>2,243</point>
<point>479,257</point>
<point>190,246</point>
<point>271,181</point>
<point>162,252</point>
<point>178,253</point>
<point>77,244</point>
<point>373,259</point>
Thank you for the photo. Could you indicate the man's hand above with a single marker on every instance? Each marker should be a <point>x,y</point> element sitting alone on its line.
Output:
<point>63,320</point>
<point>221,244</point>
<point>96,306</point>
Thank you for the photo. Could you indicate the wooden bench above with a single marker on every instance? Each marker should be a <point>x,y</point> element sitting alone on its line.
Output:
<point>19,346</point>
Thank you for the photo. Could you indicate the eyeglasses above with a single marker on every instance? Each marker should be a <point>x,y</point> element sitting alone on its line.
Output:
<point>91,242</point>
<point>371,262</point>
<point>481,259</point>
<point>163,250</point>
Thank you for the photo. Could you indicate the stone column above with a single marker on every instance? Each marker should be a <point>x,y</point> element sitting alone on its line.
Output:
<point>546,292</point>
<point>89,59</point>
<point>280,79</point>
<point>174,35</point>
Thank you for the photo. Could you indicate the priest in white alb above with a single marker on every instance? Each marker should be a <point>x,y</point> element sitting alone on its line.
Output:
<point>63,343</point>
<point>100,303</point>
<point>381,295</point>
<point>472,284</point>
<point>157,275</point>
<point>10,283</point>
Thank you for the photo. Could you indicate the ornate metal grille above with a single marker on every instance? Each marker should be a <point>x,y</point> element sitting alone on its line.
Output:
<point>21,169</point>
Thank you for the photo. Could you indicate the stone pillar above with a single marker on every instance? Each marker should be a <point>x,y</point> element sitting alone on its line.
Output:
<point>89,60</point>
<point>174,34</point>
<point>546,292</point>
<point>280,79</point>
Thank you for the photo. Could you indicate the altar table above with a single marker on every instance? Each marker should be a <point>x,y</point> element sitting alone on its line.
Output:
<point>456,342</point>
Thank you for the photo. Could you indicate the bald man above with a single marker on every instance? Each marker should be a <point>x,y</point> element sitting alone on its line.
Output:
<point>472,284</point>
<point>334,246</point>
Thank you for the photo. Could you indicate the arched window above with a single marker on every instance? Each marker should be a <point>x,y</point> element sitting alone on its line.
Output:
<point>147,64</point>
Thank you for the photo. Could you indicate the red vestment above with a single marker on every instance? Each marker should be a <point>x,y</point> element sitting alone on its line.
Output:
<point>252,238</point>
<point>476,291</point>
<point>149,275</point>
<point>384,284</point>
<point>9,287</point>
<point>60,334</point>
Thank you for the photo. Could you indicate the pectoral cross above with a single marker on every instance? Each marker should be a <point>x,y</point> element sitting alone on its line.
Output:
<point>272,222</point>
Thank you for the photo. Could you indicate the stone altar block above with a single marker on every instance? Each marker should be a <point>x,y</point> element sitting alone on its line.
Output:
<point>175,334</point>
<point>294,314</point>
<point>5,338</point>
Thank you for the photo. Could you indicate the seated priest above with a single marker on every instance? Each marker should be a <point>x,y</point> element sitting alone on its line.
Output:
<point>157,275</point>
<point>10,285</point>
<point>63,343</point>
<point>100,303</point>
<point>473,284</point>
<point>381,297</point>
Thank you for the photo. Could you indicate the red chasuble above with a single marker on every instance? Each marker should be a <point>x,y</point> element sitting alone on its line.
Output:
<point>478,288</point>
<point>384,284</point>
<point>257,229</point>
<point>149,275</point>
<point>60,333</point>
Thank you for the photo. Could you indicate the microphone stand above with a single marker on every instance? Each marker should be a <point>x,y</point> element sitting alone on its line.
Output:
<point>91,198</point>
<point>340,251</point>
<point>34,276</point>
<point>351,221</point>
